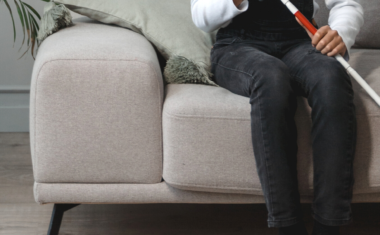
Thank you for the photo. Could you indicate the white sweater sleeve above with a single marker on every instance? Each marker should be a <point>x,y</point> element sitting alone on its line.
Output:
<point>209,15</point>
<point>346,17</point>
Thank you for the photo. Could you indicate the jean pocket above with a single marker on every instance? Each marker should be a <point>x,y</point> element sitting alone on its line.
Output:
<point>314,50</point>
<point>225,41</point>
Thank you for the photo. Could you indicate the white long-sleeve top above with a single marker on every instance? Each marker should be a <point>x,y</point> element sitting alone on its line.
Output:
<point>346,16</point>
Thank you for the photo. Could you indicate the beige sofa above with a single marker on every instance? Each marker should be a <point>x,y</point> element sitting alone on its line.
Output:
<point>106,128</point>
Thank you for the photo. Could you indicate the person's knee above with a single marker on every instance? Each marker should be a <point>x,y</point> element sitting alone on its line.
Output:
<point>270,67</point>
<point>271,83</point>
<point>270,74</point>
<point>332,86</point>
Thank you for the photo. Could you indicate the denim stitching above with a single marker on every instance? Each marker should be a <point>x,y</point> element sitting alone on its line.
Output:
<point>351,152</point>
<point>266,165</point>
<point>283,220</point>
<point>227,43</point>
<point>220,41</point>
<point>347,183</point>
<point>304,87</point>
<point>353,144</point>
<point>265,155</point>
<point>232,69</point>
<point>315,213</point>
<point>214,47</point>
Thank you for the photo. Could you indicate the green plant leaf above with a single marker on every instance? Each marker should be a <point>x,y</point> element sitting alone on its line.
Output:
<point>32,9</point>
<point>25,19</point>
<point>35,23</point>
<point>33,38</point>
<point>27,49</point>
<point>14,28</point>
<point>20,14</point>
<point>28,23</point>
<point>35,33</point>
<point>32,35</point>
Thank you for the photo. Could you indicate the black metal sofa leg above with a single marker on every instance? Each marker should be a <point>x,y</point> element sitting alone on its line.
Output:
<point>56,217</point>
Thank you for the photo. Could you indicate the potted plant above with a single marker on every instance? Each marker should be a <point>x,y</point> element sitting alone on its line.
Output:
<point>55,16</point>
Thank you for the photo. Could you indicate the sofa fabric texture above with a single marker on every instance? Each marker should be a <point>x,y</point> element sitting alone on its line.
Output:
<point>95,107</point>
<point>208,144</point>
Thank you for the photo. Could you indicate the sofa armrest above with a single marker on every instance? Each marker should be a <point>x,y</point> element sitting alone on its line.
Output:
<point>95,107</point>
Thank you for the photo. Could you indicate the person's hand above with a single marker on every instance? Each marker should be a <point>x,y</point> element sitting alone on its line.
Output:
<point>327,41</point>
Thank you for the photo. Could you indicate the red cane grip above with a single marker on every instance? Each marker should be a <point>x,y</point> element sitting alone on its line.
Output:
<point>306,22</point>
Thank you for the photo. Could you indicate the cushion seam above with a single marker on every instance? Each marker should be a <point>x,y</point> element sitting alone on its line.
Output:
<point>203,117</point>
<point>212,187</point>
<point>242,119</point>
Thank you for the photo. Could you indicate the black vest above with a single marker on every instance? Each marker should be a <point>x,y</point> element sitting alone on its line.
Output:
<point>272,17</point>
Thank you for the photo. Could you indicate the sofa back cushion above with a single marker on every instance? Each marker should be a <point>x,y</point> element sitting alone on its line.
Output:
<point>369,35</point>
<point>168,25</point>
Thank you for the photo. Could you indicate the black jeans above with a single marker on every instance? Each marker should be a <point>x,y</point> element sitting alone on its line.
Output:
<point>272,74</point>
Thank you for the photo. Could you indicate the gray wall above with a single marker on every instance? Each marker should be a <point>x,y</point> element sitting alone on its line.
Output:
<point>15,75</point>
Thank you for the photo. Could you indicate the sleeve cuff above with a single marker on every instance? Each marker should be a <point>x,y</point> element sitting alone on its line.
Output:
<point>241,8</point>
<point>347,55</point>
<point>346,39</point>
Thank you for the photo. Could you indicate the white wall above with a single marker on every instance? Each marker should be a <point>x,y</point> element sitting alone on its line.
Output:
<point>15,75</point>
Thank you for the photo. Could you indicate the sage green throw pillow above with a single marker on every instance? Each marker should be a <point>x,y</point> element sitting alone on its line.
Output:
<point>167,24</point>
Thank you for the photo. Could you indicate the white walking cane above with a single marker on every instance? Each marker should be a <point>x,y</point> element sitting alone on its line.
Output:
<point>348,68</point>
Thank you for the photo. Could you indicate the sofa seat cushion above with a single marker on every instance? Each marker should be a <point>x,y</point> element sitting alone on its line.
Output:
<point>208,145</point>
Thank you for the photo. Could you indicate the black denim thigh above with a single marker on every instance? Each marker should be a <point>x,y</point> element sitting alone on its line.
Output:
<point>307,65</point>
<point>235,65</point>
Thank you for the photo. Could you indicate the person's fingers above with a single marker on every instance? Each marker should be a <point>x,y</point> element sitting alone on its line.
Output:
<point>319,35</point>
<point>340,49</point>
<point>330,45</point>
<point>308,32</point>
<point>325,41</point>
